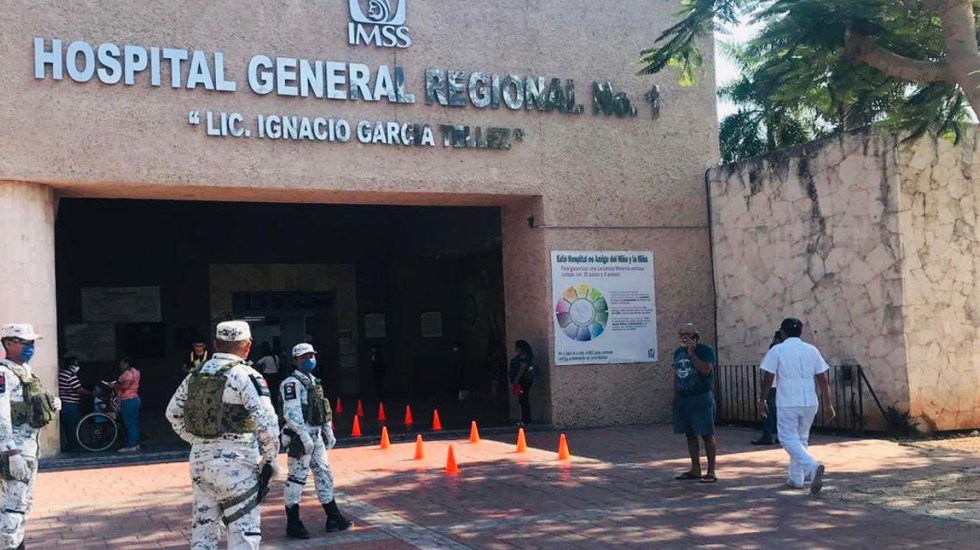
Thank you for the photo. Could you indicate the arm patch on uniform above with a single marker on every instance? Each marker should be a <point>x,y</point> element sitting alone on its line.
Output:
<point>289,391</point>
<point>3,383</point>
<point>260,385</point>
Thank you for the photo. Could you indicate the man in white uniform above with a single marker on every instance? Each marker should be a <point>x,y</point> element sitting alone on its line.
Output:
<point>802,372</point>
<point>308,436</point>
<point>223,410</point>
<point>25,408</point>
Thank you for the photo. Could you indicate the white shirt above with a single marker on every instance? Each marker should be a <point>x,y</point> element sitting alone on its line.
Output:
<point>795,363</point>
<point>268,364</point>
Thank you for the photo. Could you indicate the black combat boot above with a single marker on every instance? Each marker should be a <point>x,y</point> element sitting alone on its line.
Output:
<point>294,527</point>
<point>335,520</point>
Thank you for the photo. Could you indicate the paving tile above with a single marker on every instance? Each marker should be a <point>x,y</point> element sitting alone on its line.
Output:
<point>617,492</point>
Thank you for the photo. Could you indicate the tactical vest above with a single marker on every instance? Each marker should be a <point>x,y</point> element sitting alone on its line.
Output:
<point>205,412</point>
<point>316,411</point>
<point>37,409</point>
<point>198,363</point>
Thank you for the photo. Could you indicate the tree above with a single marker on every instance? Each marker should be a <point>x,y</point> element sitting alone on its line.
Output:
<point>913,64</point>
<point>760,125</point>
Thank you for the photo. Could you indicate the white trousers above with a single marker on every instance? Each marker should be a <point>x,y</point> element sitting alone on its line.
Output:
<point>793,425</point>
<point>221,478</point>
<point>17,498</point>
<point>299,469</point>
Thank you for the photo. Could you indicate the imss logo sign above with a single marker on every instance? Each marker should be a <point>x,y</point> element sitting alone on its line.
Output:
<point>383,24</point>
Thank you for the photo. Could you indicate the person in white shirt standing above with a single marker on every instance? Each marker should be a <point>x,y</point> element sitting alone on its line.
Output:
<point>802,374</point>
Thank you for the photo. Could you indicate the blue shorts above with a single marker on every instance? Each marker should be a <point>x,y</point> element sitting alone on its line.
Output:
<point>694,414</point>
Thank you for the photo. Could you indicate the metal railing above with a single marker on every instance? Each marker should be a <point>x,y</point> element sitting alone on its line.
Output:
<point>737,390</point>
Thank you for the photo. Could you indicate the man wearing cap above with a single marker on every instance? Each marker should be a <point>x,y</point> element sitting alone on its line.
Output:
<point>694,403</point>
<point>802,372</point>
<point>25,408</point>
<point>307,436</point>
<point>223,410</point>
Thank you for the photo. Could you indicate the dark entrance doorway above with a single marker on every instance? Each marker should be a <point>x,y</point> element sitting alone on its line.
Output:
<point>420,287</point>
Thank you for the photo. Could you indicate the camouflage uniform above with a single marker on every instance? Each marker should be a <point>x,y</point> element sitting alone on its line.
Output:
<point>225,469</point>
<point>17,494</point>
<point>308,435</point>
<point>294,396</point>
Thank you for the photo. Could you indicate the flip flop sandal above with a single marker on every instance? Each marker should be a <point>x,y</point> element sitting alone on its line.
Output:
<point>708,479</point>
<point>687,476</point>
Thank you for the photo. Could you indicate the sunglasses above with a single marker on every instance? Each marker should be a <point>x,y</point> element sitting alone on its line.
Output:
<point>21,342</point>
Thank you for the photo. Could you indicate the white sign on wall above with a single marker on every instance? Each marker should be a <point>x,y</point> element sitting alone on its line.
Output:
<point>431,323</point>
<point>91,341</point>
<point>124,304</point>
<point>381,24</point>
<point>374,325</point>
<point>604,307</point>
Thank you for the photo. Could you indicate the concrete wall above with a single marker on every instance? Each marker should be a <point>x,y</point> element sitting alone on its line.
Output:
<point>941,273</point>
<point>873,243</point>
<point>642,177</point>
<point>27,283</point>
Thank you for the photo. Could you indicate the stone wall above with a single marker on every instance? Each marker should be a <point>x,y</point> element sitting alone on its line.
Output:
<point>941,240</point>
<point>814,233</point>
<point>874,244</point>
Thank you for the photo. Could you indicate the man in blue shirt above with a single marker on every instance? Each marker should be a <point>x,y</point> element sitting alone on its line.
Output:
<point>694,404</point>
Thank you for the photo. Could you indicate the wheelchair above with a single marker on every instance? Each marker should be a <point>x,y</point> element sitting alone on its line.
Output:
<point>101,429</point>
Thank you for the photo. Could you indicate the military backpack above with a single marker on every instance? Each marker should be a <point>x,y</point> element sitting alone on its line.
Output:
<point>316,411</point>
<point>37,409</point>
<point>205,412</point>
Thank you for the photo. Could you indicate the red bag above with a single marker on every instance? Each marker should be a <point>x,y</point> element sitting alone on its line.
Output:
<point>516,389</point>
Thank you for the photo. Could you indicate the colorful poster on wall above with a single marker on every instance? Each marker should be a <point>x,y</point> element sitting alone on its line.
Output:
<point>604,307</point>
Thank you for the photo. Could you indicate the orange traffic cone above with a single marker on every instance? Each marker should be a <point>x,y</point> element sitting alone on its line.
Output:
<point>408,416</point>
<point>339,408</point>
<point>436,424</point>
<point>563,453</point>
<point>356,430</point>
<point>474,433</point>
<point>381,413</point>
<point>451,467</point>
<point>385,442</point>
<point>419,451</point>
<point>521,441</point>
<point>360,408</point>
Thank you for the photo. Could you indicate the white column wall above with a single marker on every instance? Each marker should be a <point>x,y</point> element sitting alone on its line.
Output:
<point>27,280</point>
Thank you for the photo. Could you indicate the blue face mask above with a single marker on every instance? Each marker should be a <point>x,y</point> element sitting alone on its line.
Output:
<point>27,352</point>
<point>308,364</point>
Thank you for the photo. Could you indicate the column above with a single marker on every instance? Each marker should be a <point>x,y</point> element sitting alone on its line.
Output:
<point>27,279</point>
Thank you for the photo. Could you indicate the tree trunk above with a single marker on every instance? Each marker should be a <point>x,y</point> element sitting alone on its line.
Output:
<point>962,63</point>
<point>963,59</point>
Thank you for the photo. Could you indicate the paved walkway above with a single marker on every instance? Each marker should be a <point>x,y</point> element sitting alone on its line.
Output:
<point>618,492</point>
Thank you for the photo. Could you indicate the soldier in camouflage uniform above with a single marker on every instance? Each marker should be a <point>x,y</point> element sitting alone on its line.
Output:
<point>25,408</point>
<point>308,435</point>
<point>223,410</point>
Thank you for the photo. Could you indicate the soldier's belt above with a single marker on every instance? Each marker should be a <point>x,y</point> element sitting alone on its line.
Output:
<point>249,500</point>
